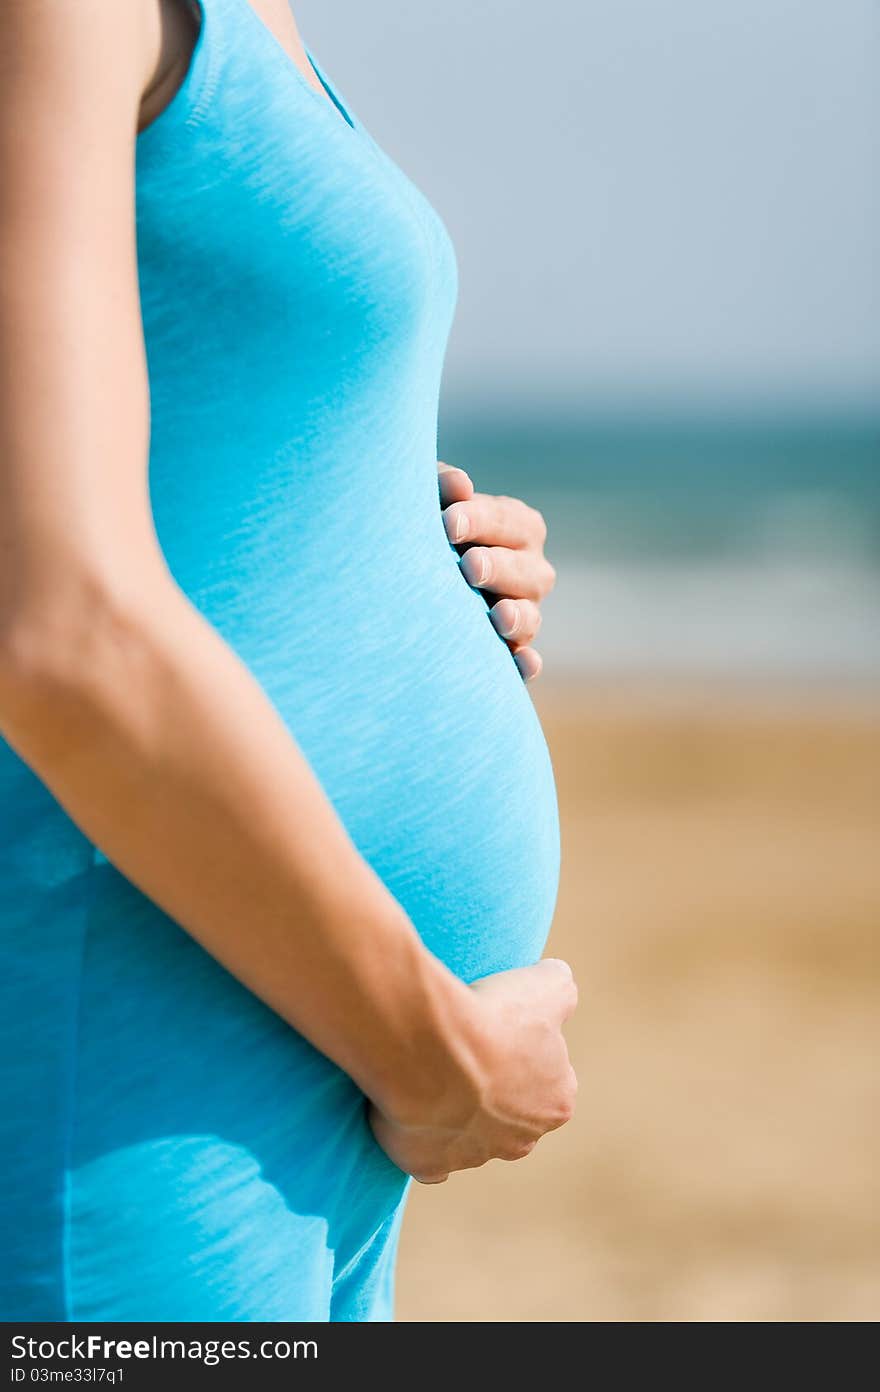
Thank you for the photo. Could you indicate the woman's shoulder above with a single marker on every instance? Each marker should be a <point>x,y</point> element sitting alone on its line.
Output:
<point>74,58</point>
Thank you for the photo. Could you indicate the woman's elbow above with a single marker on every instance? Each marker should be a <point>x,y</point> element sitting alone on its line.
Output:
<point>71,639</point>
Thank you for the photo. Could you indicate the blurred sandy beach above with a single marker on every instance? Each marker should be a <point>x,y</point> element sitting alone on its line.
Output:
<point>719,902</point>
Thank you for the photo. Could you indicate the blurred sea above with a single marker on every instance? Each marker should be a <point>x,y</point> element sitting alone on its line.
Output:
<point>734,548</point>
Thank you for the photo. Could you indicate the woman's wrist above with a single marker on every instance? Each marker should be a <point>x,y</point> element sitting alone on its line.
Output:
<point>425,1062</point>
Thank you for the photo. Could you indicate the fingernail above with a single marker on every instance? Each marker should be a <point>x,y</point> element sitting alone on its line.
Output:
<point>529,664</point>
<point>475,564</point>
<point>506,617</point>
<point>457,525</point>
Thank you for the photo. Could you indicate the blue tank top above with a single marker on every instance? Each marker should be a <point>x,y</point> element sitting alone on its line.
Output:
<point>170,1149</point>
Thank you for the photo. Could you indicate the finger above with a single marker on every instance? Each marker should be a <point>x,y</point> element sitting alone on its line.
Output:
<point>517,620</point>
<point>556,965</point>
<point>455,485</point>
<point>495,521</point>
<point>545,974</point>
<point>529,662</point>
<point>571,999</point>
<point>563,1112</point>
<point>561,986</point>
<point>514,574</point>
<point>430,1178</point>
<point>547,986</point>
<point>518,1149</point>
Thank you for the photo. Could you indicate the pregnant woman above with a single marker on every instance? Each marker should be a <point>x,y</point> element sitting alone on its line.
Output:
<point>279,833</point>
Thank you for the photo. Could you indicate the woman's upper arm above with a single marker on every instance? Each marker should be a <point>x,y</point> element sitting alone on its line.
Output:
<point>74,407</point>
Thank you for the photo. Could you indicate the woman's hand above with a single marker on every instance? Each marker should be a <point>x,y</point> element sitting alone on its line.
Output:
<point>504,540</point>
<point>519,1083</point>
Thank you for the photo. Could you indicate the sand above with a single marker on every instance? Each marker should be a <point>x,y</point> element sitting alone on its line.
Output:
<point>719,902</point>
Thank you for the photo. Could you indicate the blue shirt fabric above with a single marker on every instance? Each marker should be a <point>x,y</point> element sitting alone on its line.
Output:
<point>170,1148</point>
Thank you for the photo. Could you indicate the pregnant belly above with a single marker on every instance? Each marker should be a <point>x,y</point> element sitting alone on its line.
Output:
<point>198,1107</point>
<point>412,712</point>
<point>199,1114</point>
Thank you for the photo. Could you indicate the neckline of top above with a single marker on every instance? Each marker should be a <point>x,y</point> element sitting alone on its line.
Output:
<point>193,95</point>
<point>299,75</point>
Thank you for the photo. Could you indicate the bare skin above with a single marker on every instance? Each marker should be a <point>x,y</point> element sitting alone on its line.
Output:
<point>503,542</point>
<point>144,724</point>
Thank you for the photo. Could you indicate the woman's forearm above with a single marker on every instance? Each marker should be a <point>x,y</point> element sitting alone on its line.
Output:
<point>130,707</point>
<point>161,746</point>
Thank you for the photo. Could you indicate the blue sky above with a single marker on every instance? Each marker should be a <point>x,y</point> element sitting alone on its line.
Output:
<point>672,201</point>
